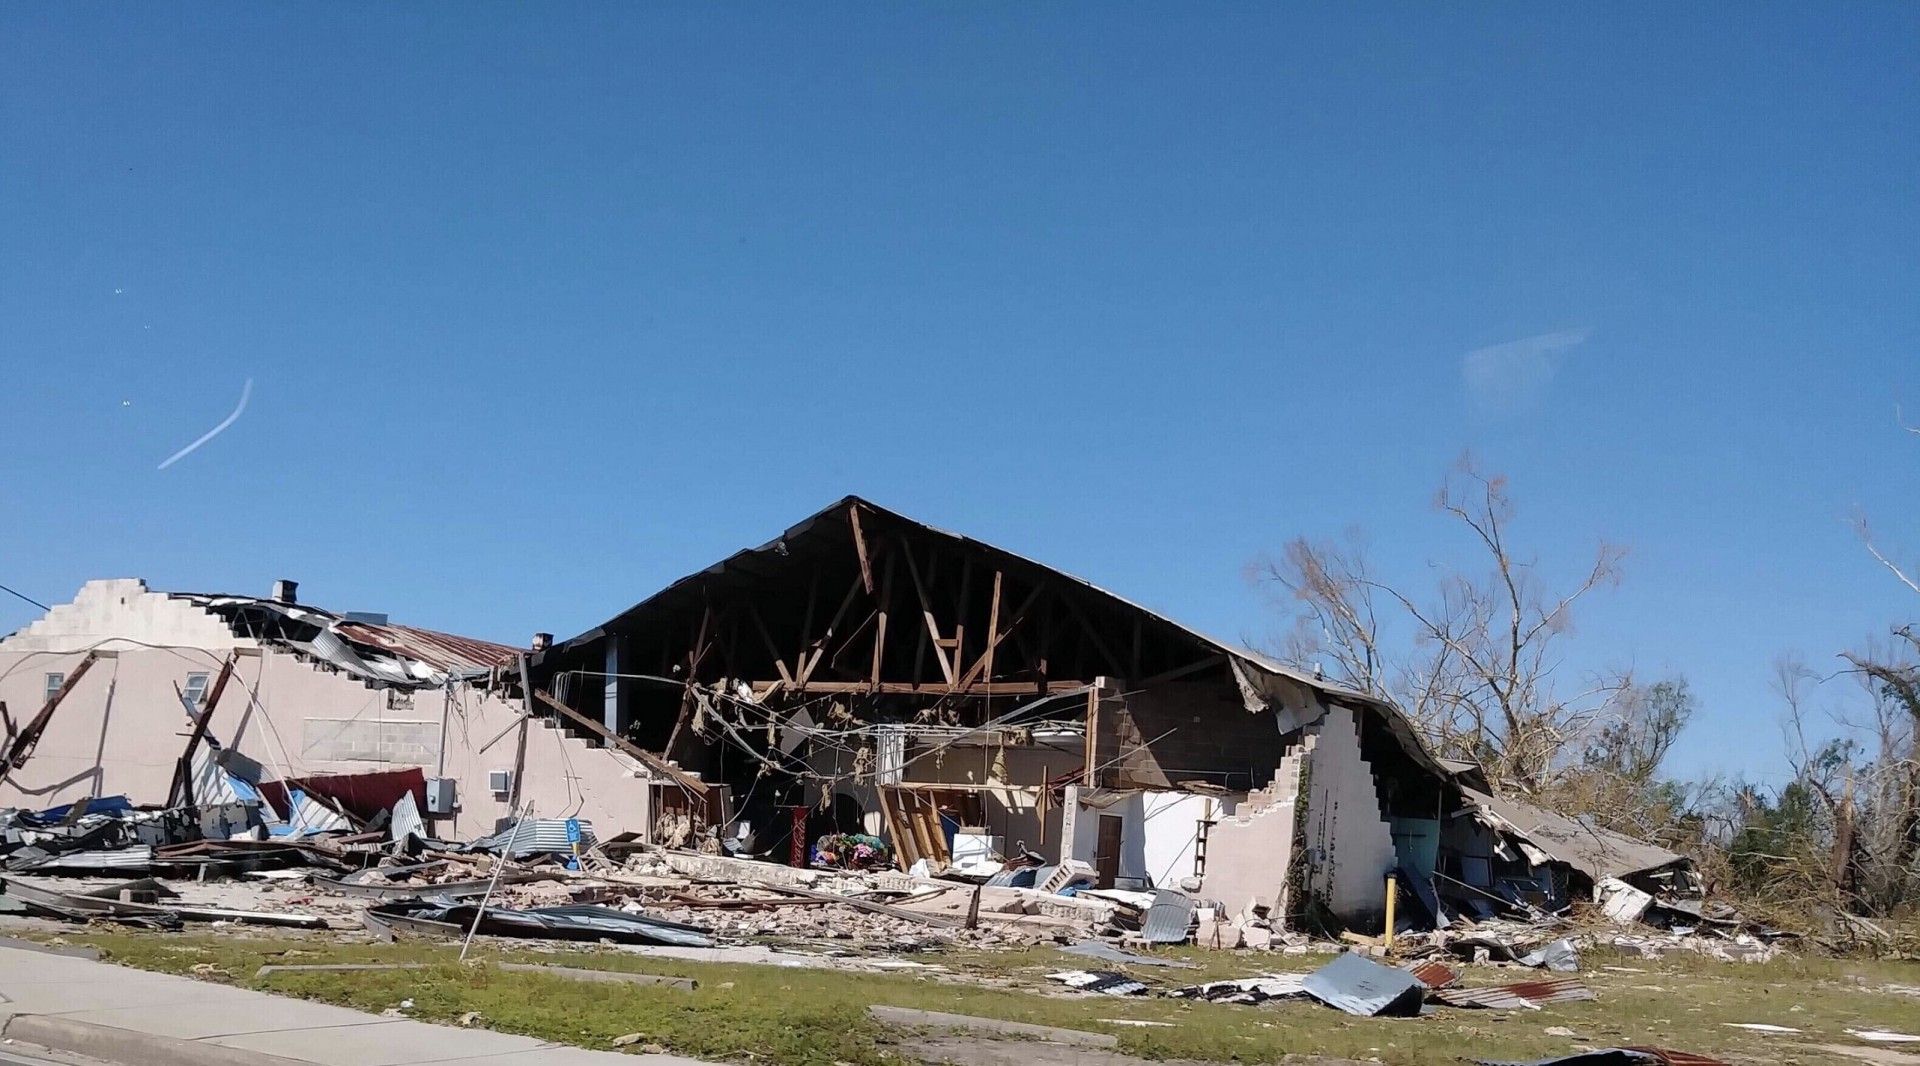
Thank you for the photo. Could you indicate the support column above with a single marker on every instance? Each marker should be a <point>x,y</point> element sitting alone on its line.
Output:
<point>610,713</point>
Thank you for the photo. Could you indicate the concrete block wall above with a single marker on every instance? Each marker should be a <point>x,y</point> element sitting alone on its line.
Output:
<point>1248,853</point>
<point>1174,733</point>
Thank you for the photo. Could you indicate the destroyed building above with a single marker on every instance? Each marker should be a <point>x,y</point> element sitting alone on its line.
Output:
<point>104,695</point>
<point>869,673</point>
<point>863,684</point>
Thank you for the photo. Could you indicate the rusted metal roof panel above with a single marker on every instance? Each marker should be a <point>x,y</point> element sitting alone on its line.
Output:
<point>1520,995</point>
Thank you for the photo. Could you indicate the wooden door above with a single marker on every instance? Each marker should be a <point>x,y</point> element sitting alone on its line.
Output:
<point>1106,850</point>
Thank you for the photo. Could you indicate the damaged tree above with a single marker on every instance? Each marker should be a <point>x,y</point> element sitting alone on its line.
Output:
<point>1478,670</point>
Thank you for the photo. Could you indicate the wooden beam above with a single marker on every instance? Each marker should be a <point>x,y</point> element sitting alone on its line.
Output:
<point>993,629</point>
<point>1093,738</point>
<point>808,663</point>
<point>880,623</point>
<point>652,761</point>
<point>984,665</point>
<point>926,612</point>
<point>860,547</point>
<point>181,792</point>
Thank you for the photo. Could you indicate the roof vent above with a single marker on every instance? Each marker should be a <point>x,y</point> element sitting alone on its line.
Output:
<point>285,591</point>
<point>372,618</point>
<point>542,641</point>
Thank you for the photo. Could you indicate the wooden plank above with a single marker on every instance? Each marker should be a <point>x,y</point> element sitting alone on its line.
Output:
<point>903,846</point>
<point>926,612</point>
<point>652,761</point>
<point>860,547</point>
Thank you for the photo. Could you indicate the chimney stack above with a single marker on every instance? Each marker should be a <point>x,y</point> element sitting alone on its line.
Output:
<point>542,641</point>
<point>285,591</point>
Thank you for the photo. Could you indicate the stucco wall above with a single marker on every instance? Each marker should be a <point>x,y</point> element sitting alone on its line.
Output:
<point>122,728</point>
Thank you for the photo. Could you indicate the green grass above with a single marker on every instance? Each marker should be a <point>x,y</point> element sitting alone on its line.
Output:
<point>794,1017</point>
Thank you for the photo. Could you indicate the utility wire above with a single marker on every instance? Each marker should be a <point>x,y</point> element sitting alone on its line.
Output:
<point>25,597</point>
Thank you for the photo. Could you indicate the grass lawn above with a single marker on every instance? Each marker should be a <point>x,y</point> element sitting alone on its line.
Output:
<point>792,1017</point>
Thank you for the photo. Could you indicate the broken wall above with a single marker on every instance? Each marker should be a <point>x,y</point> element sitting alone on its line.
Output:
<point>122,728</point>
<point>1249,852</point>
<point>1349,843</point>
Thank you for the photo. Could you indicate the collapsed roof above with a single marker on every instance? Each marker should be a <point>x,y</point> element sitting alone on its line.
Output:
<point>379,653</point>
<point>835,533</point>
<point>1546,836</point>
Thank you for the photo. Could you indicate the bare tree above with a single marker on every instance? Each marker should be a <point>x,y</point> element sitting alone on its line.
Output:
<point>1478,662</point>
<point>1890,673</point>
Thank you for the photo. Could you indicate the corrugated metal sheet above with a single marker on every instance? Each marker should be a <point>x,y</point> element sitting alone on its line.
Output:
<point>537,836</point>
<point>399,655</point>
<point>1432,973</point>
<point>1358,985</point>
<point>1521,995</point>
<point>1168,919</point>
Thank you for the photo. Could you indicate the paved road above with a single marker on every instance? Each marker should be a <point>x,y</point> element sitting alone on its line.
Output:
<point>12,1057</point>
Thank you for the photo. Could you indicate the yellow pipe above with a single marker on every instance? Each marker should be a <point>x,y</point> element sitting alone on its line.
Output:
<point>1391,897</point>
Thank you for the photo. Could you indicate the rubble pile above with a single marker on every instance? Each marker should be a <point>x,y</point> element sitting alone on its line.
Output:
<point>110,861</point>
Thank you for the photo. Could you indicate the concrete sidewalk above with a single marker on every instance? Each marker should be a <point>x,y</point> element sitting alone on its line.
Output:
<point>164,1006</point>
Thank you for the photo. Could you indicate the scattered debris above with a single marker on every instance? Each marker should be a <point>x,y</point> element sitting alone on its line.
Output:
<point>1248,990</point>
<point>1095,949</point>
<point>1105,982</point>
<point>1882,1036</point>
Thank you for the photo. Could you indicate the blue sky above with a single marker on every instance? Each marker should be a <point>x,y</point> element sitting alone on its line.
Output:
<point>546,306</point>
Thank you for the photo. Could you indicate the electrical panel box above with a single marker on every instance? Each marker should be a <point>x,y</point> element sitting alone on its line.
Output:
<point>500,782</point>
<point>441,795</point>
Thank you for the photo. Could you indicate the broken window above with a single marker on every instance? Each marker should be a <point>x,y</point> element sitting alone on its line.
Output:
<point>194,692</point>
<point>399,699</point>
<point>54,680</point>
